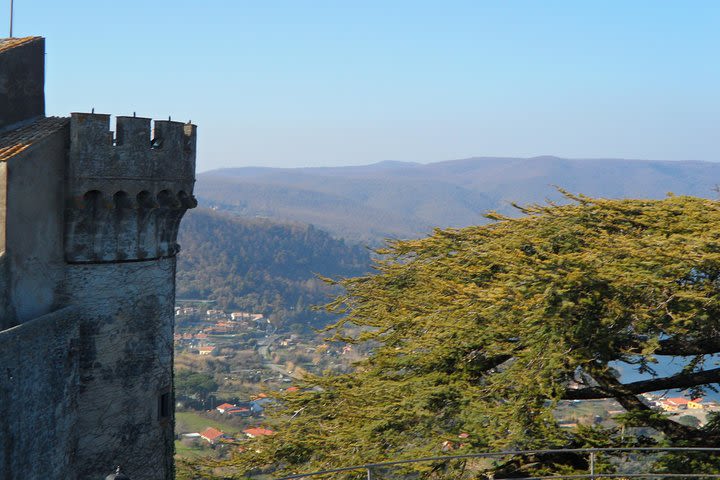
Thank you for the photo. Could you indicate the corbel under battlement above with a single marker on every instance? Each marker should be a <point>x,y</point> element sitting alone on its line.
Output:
<point>127,192</point>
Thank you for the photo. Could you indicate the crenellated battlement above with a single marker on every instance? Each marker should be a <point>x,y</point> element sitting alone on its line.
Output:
<point>166,153</point>
<point>127,192</point>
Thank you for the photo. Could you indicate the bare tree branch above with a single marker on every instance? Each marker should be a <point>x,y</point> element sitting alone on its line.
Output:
<point>689,346</point>
<point>631,403</point>
<point>679,381</point>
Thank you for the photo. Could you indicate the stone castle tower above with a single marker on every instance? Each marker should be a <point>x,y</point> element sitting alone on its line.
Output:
<point>88,225</point>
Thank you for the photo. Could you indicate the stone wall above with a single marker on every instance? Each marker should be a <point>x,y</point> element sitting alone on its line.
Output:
<point>34,230</point>
<point>88,222</point>
<point>125,399</point>
<point>39,378</point>
<point>90,386</point>
<point>22,77</point>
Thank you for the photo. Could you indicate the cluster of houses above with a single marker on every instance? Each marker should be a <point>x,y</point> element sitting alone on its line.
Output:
<point>214,322</point>
<point>678,404</point>
<point>195,341</point>
<point>253,408</point>
<point>214,436</point>
<point>243,409</point>
<point>247,318</point>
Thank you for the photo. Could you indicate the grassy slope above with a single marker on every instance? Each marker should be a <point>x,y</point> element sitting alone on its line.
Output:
<point>189,422</point>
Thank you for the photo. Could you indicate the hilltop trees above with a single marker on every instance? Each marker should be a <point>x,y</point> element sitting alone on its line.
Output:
<point>482,331</point>
<point>262,266</point>
<point>194,384</point>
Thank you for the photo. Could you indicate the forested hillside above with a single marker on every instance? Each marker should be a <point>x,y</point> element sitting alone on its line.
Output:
<point>260,265</point>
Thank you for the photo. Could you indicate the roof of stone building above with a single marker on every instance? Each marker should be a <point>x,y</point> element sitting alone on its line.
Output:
<point>20,139</point>
<point>8,43</point>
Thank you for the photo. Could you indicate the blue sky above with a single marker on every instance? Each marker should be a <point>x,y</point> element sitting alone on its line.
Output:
<point>306,83</point>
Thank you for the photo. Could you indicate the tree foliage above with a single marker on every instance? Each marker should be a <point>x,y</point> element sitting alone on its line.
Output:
<point>194,384</point>
<point>483,330</point>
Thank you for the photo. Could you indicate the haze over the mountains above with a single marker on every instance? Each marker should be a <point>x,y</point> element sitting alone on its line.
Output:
<point>402,199</point>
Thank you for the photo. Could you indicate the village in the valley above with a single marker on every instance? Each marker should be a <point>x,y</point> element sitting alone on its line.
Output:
<point>678,406</point>
<point>686,410</point>
<point>228,366</point>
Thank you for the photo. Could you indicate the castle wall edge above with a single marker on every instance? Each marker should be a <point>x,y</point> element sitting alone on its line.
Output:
<point>87,268</point>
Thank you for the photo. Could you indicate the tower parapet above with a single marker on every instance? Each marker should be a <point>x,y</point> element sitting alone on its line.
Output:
<point>126,194</point>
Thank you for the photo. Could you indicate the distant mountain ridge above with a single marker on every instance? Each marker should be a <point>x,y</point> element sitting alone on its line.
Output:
<point>401,199</point>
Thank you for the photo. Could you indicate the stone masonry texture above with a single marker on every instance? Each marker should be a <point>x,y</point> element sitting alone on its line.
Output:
<point>88,230</point>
